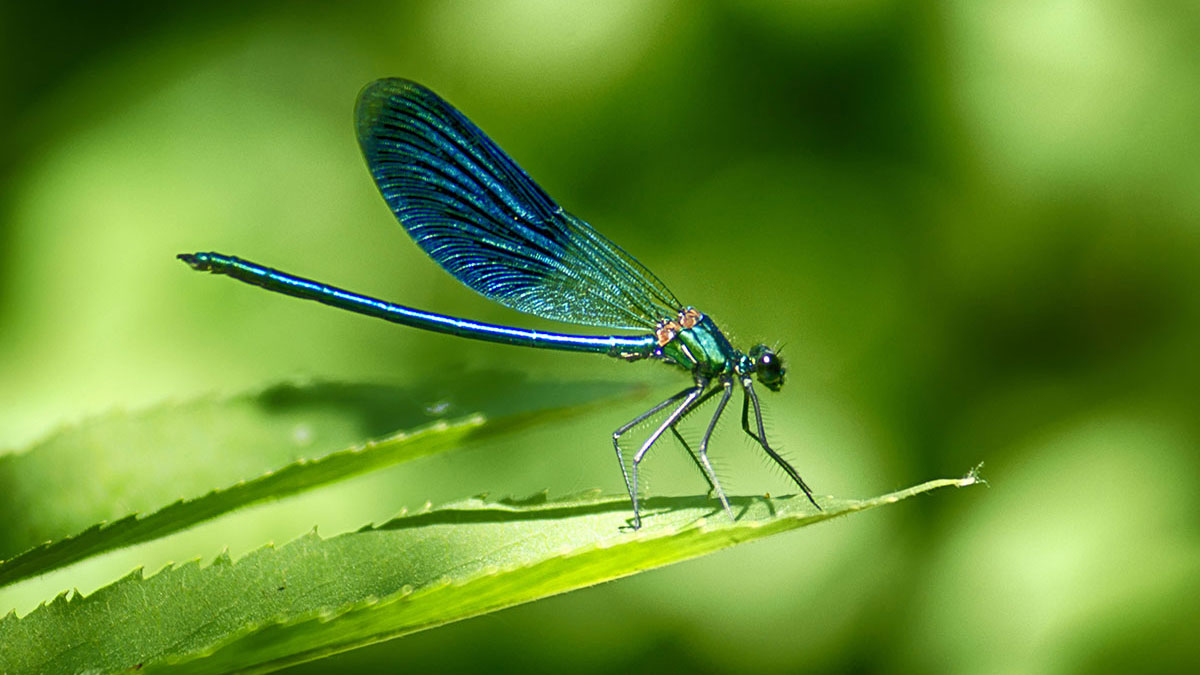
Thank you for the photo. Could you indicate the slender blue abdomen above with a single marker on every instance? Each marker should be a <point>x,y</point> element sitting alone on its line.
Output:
<point>625,347</point>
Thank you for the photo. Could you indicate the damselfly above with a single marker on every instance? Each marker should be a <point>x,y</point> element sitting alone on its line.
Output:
<point>482,218</point>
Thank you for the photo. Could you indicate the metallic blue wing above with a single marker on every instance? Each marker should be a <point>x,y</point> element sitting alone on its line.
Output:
<point>481,217</point>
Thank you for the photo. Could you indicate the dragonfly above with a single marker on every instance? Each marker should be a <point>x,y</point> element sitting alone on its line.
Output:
<point>475,212</point>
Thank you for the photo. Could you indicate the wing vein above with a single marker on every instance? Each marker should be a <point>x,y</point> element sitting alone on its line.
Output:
<point>482,218</point>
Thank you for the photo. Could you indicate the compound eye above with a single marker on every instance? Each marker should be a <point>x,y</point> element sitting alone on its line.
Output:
<point>768,367</point>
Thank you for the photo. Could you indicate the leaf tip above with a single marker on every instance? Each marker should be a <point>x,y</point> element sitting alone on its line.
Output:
<point>973,476</point>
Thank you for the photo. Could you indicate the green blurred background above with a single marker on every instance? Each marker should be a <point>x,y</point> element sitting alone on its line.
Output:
<point>974,226</point>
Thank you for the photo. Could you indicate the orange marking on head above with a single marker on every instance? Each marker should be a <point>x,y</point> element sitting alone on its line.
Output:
<point>689,317</point>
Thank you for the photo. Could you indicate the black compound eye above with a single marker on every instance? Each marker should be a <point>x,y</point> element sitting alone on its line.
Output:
<point>768,367</point>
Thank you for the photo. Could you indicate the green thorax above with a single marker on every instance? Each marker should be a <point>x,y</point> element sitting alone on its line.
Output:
<point>693,342</point>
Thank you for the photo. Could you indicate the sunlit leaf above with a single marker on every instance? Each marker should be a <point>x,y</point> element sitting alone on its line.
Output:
<point>128,478</point>
<point>315,597</point>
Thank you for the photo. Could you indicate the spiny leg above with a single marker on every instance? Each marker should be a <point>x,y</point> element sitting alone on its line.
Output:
<point>691,453</point>
<point>727,387</point>
<point>689,398</point>
<point>695,459</point>
<point>746,418</point>
<point>752,398</point>
<point>629,487</point>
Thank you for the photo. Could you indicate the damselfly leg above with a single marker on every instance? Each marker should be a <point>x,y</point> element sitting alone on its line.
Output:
<point>751,398</point>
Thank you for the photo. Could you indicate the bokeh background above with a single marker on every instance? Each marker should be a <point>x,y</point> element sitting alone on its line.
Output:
<point>974,226</point>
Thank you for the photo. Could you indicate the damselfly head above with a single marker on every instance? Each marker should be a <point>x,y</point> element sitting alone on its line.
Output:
<point>767,366</point>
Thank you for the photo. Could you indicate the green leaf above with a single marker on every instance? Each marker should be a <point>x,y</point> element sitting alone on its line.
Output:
<point>315,597</point>
<point>129,478</point>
